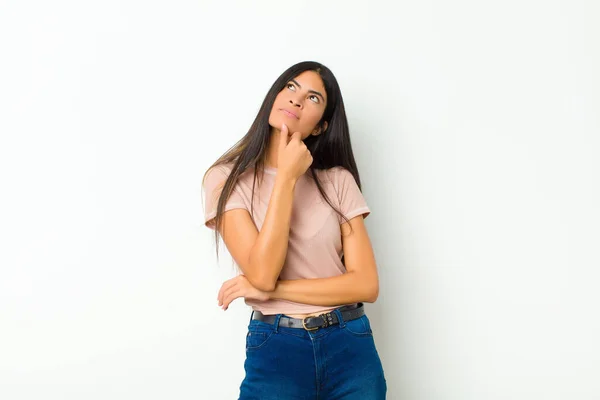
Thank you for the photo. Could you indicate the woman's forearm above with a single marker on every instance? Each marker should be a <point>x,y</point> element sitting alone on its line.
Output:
<point>338,290</point>
<point>269,251</point>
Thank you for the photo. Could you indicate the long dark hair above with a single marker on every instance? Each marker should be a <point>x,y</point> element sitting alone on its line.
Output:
<point>331,148</point>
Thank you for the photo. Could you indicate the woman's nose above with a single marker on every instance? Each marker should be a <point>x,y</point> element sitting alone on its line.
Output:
<point>295,103</point>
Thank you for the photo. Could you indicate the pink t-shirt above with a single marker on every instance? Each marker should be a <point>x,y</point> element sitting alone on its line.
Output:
<point>315,241</point>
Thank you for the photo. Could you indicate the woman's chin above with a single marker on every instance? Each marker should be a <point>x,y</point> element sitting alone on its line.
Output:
<point>276,123</point>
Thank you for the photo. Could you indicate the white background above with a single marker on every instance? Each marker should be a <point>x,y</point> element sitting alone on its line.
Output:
<point>476,131</point>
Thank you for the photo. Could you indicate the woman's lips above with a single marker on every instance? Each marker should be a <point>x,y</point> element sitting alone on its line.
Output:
<point>289,114</point>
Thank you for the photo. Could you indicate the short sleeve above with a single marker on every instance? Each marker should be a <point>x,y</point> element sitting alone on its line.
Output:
<point>352,201</point>
<point>213,185</point>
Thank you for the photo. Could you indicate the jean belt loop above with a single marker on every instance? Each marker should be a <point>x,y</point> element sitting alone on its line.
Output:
<point>340,318</point>
<point>276,323</point>
<point>251,315</point>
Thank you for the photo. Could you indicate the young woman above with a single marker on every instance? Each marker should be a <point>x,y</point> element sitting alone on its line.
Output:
<point>287,202</point>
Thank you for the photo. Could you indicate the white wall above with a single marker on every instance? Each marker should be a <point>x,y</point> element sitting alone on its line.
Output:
<point>476,130</point>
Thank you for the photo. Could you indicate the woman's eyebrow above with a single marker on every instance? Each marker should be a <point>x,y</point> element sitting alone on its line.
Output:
<point>310,91</point>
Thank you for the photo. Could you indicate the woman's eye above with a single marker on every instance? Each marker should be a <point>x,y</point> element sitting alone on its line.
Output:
<point>291,86</point>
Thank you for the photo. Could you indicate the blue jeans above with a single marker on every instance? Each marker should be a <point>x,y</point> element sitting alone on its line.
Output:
<point>337,362</point>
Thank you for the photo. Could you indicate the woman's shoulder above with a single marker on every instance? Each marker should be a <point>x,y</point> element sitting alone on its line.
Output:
<point>216,172</point>
<point>224,169</point>
<point>221,172</point>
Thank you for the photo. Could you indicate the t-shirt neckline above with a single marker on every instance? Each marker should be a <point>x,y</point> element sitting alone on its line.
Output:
<point>270,170</point>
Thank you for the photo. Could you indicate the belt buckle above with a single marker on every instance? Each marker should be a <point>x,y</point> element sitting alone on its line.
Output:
<point>304,325</point>
<point>326,323</point>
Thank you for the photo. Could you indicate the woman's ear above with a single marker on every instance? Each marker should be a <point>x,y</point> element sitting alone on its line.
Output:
<point>318,131</point>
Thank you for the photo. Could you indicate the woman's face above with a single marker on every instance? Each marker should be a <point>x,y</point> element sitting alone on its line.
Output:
<point>300,105</point>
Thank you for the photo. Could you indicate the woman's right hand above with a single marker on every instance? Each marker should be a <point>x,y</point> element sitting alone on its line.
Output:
<point>294,158</point>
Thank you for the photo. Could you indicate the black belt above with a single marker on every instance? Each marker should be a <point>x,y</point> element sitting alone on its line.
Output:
<point>312,323</point>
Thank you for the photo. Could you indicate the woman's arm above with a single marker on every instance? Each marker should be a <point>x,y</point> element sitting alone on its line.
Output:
<point>268,253</point>
<point>261,255</point>
<point>344,289</point>
<point>359,284</point>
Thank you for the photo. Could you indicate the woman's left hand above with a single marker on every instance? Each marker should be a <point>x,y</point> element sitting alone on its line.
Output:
<point>239,287</point>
